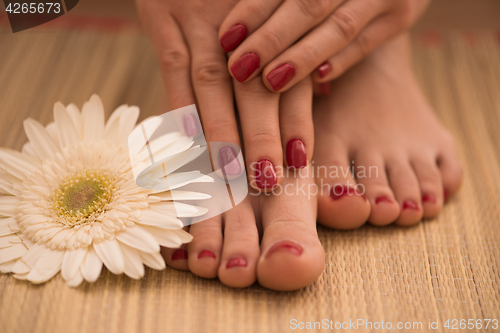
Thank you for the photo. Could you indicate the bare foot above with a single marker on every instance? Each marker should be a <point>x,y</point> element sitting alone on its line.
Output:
<point>377,123</point>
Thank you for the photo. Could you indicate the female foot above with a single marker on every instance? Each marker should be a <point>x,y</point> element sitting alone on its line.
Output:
<point>377,124</point>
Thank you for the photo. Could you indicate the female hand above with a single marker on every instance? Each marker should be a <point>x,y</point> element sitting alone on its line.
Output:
<point>288,40</point>
<point>193,66</point>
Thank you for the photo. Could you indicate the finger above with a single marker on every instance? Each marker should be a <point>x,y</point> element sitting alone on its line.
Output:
<point>212,85</point>
<point>287,24</point>
<point>330,37</point>
<point>258,110</point>
<point>246,17</point>
<point>172,53</point>
<point>373,36</point>
<point>296,124</point>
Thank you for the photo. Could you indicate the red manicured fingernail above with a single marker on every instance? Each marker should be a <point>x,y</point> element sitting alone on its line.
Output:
<point>190,123</point>
<point>245,66</point>
<point>236,262</point>
<point>324,69</point>
<point>429,198</point>
<point>233,37</point>
<point>179,254</point>
<point>291,247</point>
<point>383,199</point>
<point>296,154</point>
<point>265,174</point>
<point>228,161</point>
<point>408,204</point>
<point>206,253</point>
<point>446,195</point>
<point>325,88</point>
<point>338,191</point>
<point>280,76</point>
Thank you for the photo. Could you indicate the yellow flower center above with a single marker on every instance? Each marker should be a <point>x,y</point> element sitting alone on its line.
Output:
<point>83,196</point>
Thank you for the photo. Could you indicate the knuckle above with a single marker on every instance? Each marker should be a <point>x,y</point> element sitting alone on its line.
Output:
<point>273,38</point>
<point>346,22</point>
<point>314,8</point>
<point>254,8</point>
<point>174,58</point>
<point>218,125</point>
<point>265,137</point>
<point>365,45</point>
<point>210,72</point>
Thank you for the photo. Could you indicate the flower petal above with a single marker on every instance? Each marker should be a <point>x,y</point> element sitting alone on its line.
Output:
<point>153,260</point>
<point>76,280</point>
<point>8,205</point>
<point>111,255</point>
<point>91,266</point>
<point>71,263</point>
<point>8,241</point>
<point>139,239</point>
<point>76,117</point>
<point>8,226</point>
<point>17,164</point>
<point>154,218</point>
<point>39,137</point>
<point>29,259</point>
<point>6,267</point>
<point>165,237</point>
<point>93,120</point>
<point>133,263</point>
<point>66,130</point>
<point>47,266</point>
<point>179,209</point>
<point>182,195</point>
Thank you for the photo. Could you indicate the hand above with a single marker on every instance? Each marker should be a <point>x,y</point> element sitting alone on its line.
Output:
<point>288,40</point>
<point>193,66</point>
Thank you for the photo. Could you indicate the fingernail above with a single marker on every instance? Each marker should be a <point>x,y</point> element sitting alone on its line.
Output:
<point>429,198</point>
<point>383,199</point>
<point>233,37</point>
<point>280,76</point>
<point>245,66</point>
<point>325,88</point>
<point>291,247</point>
<point>408,204</point>
<point>228,161</point>
<point>206,253</point>
<point>338,191</point>
<point>446,195</point>
<point>265,174</point>
<point>296,154</point>
<point>324,69</point>
<point>191,127</point>
<point>236,262</point>
<point>179,254</point>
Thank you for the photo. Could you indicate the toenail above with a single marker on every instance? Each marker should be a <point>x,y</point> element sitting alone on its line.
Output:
<point>429,198</point>
<point>296,155</point>
<point>265,174</point>
<point>408,204</point>
<point>190,123</point>
<point>179,254</point>
<point>291,247</point>
<point>446,195</point>
<point>383,199</point>
<point>228,161</point>
<point>338,191</point>
<point>236,262</point>
<point>206,253</point>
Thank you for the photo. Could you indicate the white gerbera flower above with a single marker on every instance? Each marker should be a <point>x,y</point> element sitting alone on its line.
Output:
<point>69,201</point>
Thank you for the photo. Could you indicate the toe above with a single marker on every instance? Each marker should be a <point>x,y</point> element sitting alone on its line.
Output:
<point>451,171</point>
<point>241,247</point>
<point>341,205</point>
<point>205,248</point>
<point>291,254</point>
<point>404,184</point>
<point>176,258</point>
<point>372,178</point>
<point>431,187</point>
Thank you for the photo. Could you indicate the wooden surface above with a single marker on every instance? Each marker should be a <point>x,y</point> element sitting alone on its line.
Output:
<point>442,269</point>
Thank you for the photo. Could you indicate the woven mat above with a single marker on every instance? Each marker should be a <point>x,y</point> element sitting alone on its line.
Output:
<point>445,268</point>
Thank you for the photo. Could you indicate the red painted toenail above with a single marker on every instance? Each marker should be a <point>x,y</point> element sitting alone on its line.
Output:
<point>179,254</point>
<point>429,198</point>
<point>324,69</point>
<point>446,195</point>
<point>408,204</point>
<point>206,253</point>
<point>236,262</point>
<point>383,199</point>
<point>338,191</point>
<point>291,247</point>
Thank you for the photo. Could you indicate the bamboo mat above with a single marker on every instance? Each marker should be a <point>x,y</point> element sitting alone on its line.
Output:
<point>446,268</point>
